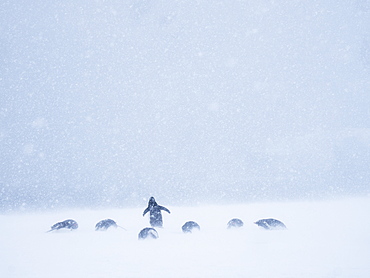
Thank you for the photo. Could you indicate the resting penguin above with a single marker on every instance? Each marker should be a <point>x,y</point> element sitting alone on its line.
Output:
<point>67,224</point>
<point>235,223</point>
<point>270,224</point>
<point>105,224</point>
<point>189,226</point>
<point>155,213</point>
<point>148,233</point>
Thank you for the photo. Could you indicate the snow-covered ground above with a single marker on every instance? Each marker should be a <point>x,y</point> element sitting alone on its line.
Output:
<point>324,239</point>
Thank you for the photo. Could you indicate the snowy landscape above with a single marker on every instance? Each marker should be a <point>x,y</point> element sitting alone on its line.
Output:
<point>104,104</point>
<point>323,239</point>
<point>220,109</point>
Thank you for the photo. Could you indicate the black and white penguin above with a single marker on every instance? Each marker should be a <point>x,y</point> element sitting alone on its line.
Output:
<point>270,224</point>
<point>189,226</point>
<point>66,224</point>
<point>148,233</point>
<point>155,213</point>
<point>105,224</point>
<point>235,223</point>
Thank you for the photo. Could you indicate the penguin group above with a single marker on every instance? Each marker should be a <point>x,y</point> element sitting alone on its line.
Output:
<point>156,221</point>
<point>70,224</point>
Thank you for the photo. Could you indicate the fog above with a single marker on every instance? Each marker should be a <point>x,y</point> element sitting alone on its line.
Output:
<point>105,103</point>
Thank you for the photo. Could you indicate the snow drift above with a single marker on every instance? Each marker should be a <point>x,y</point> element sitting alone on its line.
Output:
<point>323,239</point>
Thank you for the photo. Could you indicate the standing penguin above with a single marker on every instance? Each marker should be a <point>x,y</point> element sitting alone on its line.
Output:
<point>155,213</point>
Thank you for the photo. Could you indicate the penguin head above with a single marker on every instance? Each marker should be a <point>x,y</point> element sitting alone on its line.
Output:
<point>152,202</point>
